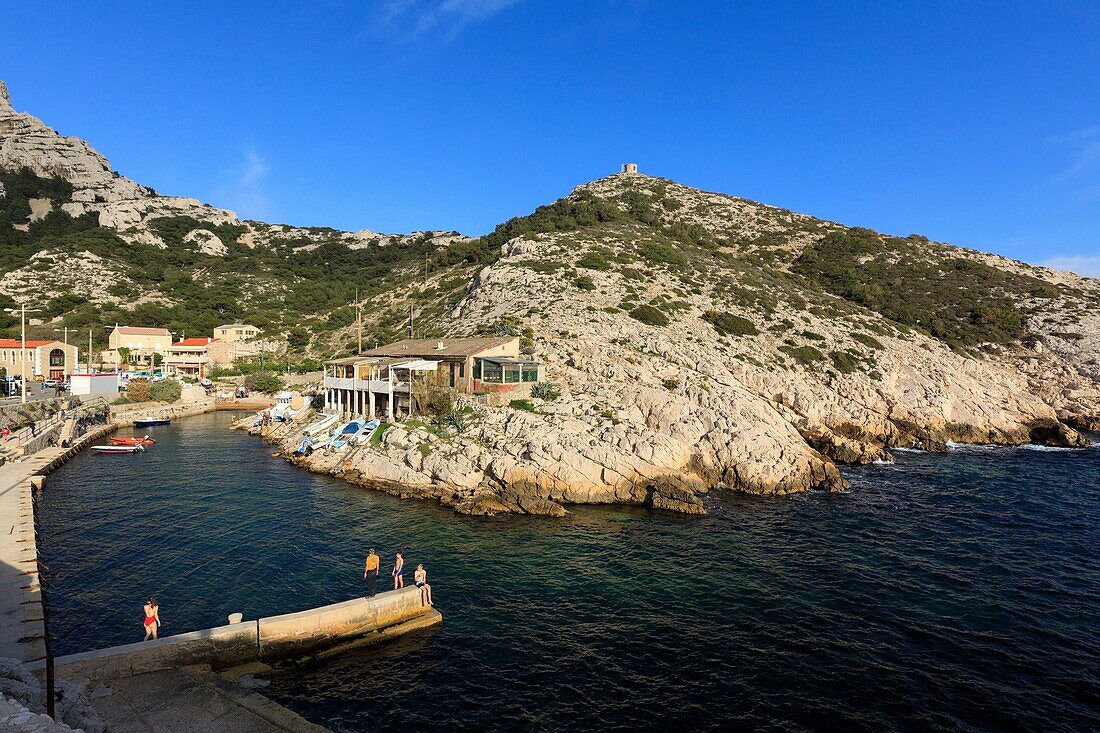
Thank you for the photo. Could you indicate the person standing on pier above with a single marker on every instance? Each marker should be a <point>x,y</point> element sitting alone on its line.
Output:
<point>152,618</point>
<point>370,573</point>
<point>399,571</point>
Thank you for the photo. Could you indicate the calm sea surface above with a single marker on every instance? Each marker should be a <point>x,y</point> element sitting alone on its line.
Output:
<point>944,592</point>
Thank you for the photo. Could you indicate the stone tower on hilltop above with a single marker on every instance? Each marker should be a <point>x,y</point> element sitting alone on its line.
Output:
<point>629,169</point>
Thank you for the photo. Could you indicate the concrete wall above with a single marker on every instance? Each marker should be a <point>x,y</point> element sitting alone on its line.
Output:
<point>224,646</point>
<point>298,633</point>
<point>126,414</point>
<point>291,634</point>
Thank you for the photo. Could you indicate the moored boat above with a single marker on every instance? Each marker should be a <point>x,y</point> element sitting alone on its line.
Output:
<point>117,449</point>
<point>151,421</point>
<point>117,440</point>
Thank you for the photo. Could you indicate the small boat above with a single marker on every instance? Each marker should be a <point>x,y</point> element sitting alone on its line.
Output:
<point>146,440</point>
<point>368,431</point>
<point>113,449</point>
<point>316,428</point>
<point>346,434</point>
<point>305,447</point>
<point>151,421</point>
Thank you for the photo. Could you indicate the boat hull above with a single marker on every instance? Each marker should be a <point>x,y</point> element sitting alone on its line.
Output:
<point>152,423</point>
<point>117,450</point>
<point>132,441</point>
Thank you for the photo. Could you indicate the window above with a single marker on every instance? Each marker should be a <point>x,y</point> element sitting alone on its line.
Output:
<point>530,372</point>
<point>57,358</point>
<point>511,373</point>
<point>491,372</point>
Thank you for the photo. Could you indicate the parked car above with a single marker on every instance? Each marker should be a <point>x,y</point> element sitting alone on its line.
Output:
<point>206,383</point>
<point>52,383</point>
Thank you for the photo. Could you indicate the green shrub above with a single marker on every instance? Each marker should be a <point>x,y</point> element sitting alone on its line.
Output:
<point>670,384</point>
<point>660,253</point>
<point>922,285</point>
<point>728,324</point>
<point>803,354</point>
<point>546,391</point>
<point>263,382</point>
<point>867,340</point>
<point>649,315</point>
<point>167,390</point>
<point>594,261</point>
<point>844,361</point>
<point>584,283</point>
<point>526,405</point>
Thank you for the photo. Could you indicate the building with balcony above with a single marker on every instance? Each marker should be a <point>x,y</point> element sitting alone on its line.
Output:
<point>40,359</point>
<point>195,357</point>
<point>379,381</point>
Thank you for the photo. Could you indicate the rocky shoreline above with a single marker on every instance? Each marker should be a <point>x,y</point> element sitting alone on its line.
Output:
<point>415,461</point>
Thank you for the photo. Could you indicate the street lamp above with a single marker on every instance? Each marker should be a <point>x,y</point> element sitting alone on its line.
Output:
<point>23,311</point>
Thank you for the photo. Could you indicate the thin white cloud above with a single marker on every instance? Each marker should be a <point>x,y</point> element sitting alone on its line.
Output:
<point>1085,159</point>
<point>411,19</point>
<point>243,190</point>
<point>1087,265</point>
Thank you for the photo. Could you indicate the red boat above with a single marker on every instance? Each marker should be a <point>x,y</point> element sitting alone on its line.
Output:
<point>145,440</point>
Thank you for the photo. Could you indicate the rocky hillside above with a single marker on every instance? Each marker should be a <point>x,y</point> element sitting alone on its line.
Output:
<point>695,340</point>
<point>700,340</point>
<point>88,245</point>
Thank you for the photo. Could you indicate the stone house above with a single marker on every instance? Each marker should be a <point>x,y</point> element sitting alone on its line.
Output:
<point>378,381</point>
<point>236,332</point>
<point>141,342</point>
<point>43,359</point>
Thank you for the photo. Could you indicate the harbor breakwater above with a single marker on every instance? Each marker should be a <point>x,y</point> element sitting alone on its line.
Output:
<point>360,621</point>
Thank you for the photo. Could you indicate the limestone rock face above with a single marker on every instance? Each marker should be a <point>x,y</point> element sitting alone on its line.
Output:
<point>119,202</point>
<point>660,414</point>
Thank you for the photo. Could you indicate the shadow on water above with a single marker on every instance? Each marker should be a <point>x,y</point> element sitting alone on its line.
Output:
<point>942,592</point>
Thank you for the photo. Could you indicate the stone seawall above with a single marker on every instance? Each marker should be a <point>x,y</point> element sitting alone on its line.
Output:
<point>125,415</point>
<point>360,620</point>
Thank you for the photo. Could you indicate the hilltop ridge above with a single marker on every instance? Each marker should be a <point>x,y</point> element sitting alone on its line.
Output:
<point>697,339</point>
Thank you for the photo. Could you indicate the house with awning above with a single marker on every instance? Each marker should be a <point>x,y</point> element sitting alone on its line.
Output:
<point>379,381</point>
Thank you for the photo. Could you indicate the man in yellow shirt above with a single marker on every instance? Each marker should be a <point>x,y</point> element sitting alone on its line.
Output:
<point>370,573</point>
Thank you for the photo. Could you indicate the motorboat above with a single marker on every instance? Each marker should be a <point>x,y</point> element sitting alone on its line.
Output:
<point>319,427</point>
<point>149,422</point>
<point>118,449</point>
<point>145,440</point>
<point>305,447</point>
<point>355,432</point>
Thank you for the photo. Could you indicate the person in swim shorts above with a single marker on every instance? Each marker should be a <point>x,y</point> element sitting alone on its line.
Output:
<point>398,571</point>
<point>421,578</point>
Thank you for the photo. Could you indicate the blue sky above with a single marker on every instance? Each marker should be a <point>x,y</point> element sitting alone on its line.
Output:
<point>976,123</point>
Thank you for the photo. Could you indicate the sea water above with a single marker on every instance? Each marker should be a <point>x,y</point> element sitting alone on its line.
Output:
<point>943,592</point>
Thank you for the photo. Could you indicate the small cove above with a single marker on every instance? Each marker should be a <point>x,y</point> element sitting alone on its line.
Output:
<point>942,592</point>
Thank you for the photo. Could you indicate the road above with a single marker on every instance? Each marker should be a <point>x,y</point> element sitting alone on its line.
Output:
<point>35,391</point>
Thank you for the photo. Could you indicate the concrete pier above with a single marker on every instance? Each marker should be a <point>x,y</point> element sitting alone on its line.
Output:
<point>290,635</point>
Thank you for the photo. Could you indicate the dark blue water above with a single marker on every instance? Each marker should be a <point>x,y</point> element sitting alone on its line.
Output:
<point>944,592</point>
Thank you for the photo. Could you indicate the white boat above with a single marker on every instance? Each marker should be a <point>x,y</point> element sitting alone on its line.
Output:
<point>114,449</point>
<point>321,426</point>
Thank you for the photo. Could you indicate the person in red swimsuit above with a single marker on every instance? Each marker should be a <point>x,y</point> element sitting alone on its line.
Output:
<point>152,618</point>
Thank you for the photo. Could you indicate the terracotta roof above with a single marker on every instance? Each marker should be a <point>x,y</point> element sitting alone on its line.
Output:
<point>17,343</point>
<point>430,348</point>
<point>236,325</point>
<point>143,331</point>
<point>201,341</point>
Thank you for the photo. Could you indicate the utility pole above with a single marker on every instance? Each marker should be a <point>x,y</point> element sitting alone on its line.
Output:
<point>65,331</point>
<point>410,320</point>
<point>23,350</point>
<point>359,319</point>
<point>89,349</point>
